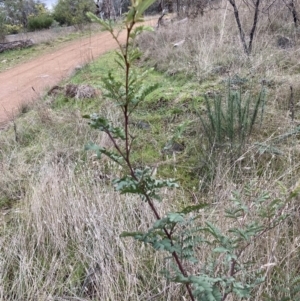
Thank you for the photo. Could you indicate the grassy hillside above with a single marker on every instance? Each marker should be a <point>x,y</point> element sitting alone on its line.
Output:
<point>61,218</point>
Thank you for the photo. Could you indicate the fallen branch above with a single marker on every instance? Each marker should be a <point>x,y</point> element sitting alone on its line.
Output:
<point>160,19</point>
<point>15,45</point>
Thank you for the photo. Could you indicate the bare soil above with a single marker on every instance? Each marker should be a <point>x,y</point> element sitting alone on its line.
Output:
<point>29,81</point>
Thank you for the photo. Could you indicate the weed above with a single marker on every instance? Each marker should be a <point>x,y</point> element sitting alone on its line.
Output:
<point>229,124</point>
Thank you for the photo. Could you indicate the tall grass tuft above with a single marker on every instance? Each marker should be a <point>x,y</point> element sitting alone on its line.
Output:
<point>229,122</point>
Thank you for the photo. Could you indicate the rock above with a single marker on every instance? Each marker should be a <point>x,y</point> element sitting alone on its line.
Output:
<point>74,91</point>
<point>55,90</point>
<point>85,91</point>
<point>78,68</point>
<point>143,125</point>
<point>182,21</point>
<point>80,91</point>
<point>71,90</point>
<point>173,147</point>
<point>284,42</point>
<point>220,70</point>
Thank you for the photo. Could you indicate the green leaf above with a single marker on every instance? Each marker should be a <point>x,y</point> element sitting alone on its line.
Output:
<point>120,60</point>
<point>164,244</point>
<point>102,150</point>
<point>130,15</point>
<point>221,250</point>
<point>160,224</point>
<point>131,234</point>
<point>243,291</point>
<point>216,293</point>
<point>189,209</point>
<point>139,29</point>
<point>103,124</point>
<point>107,26</point>
<point>141,7</point>
<point>175,217</point>
<point>213,230</point>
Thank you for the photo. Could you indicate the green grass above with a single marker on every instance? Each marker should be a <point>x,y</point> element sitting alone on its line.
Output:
<point>163,110</point>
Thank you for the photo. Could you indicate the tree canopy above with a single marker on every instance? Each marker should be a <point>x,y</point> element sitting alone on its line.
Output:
<point>17,11</point>
<point>72,12</point>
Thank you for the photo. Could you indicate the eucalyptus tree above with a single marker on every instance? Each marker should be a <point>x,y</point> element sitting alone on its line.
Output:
<point>73,12</point>
<point>17,11</point>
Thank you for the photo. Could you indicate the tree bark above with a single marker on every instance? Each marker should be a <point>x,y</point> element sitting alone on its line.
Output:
<point>293,10</point>
<point>254,25</point>
<point>238,21</point>
<point>15,45</point>
<point>247,48</point>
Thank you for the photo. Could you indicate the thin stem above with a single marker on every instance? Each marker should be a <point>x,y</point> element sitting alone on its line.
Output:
<point>126,105</point>
<point>174,254</point>
<point>116,146</point>
<point>126,156</point>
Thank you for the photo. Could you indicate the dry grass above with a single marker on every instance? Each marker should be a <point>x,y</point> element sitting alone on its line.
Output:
<point>48,35</point>
<point>212,47</point>
<point>60,240</point>
<point>66,242</point>
<point>42,36</point>
<point>63,242</point>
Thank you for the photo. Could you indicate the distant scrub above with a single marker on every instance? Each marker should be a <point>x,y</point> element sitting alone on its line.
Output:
<point>43,21</point>
<point>13,29</point>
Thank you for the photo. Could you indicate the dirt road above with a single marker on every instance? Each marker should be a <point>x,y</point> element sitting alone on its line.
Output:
<point>28,81</point>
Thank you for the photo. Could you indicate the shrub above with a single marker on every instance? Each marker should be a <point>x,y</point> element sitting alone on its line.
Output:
<point>180,235</point>
<point>2,36</point>
<point>42,21</point>
<point>71,12</point>
<point>13,29</point>
<point>2,27</point>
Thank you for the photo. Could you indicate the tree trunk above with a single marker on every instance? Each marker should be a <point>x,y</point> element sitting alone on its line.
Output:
<point>254,25</point>
<point>238,21</point>
<point>15,45</point>
<point>293,10</point>
<point>247,48</point>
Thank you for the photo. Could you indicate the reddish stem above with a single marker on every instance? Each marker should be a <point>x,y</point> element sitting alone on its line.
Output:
<point>126,156</point>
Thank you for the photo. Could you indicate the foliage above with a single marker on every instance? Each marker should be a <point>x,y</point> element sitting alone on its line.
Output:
<point>285,284</point>
<point>13,29</point>
<point>231,122</point>
<point>42,21</point>
<point>181,234</point>
<point>40,9</point>
<point>69,12</point>
<point>17,12</point>
<point>2,26</point>
<point>226,271</point>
